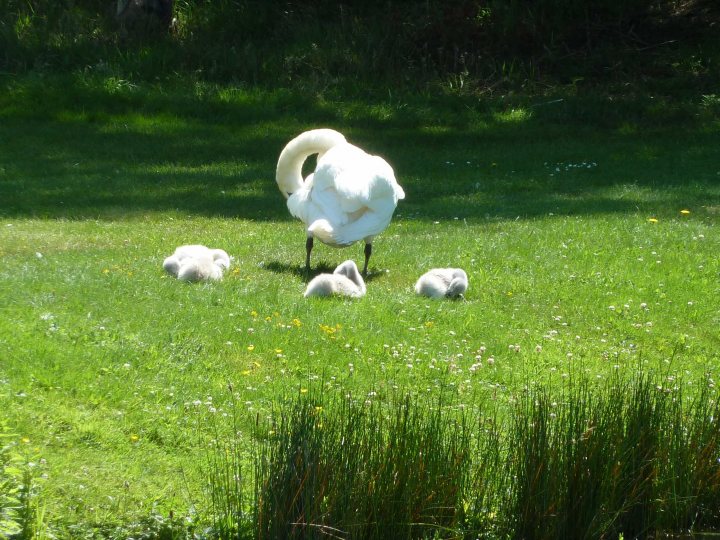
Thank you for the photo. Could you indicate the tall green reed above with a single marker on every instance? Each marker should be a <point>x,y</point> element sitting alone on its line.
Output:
<point>627,457</point>
<point>353,469</point>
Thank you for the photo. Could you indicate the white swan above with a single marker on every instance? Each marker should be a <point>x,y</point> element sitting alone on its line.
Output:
<point>197,263</point>
<point>350,196</point>
<point>344,281</point>
<point>442,283</point>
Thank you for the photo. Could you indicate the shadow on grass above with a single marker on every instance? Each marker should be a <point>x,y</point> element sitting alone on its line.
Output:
<point>80,149</point>
<point>299,272</point>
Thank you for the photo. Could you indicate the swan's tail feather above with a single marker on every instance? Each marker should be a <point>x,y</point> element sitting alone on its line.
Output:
<point>323,231</point>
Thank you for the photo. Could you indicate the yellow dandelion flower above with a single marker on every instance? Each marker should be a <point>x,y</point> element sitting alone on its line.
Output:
<point>25,440</point>
<point>236,271</point>
<point>653,220</point>
<point>245,372</point>
<point>253,313</point>
<point>318,408</point>
<point>685,212</point>
<point>268,318</point>
<point>251,348</point>
<point>106,271</point>
<point>134,438</point>
<point>278,351</point>
<point>303,390</point>
<point>296,322</point>
<point>429,324</point>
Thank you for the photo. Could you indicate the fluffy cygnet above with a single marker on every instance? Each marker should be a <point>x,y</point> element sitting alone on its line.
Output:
<point>442,283</point>
<point>197,263</point>
<point>344,281</point>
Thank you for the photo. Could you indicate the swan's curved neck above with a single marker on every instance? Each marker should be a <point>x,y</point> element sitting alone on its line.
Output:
<point>289,167</point>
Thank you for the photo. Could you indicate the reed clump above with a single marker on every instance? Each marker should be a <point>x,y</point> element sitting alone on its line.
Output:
<point>630,457</point>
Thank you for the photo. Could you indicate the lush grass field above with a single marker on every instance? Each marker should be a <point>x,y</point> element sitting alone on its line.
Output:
<point>587,226</point>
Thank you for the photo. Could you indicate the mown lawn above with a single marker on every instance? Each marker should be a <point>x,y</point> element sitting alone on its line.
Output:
<point>587,226</point>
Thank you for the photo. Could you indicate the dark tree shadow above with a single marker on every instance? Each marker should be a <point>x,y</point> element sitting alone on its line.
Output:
<point>68,153</point>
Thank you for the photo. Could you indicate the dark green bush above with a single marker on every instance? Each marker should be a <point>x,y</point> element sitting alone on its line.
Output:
<point>323,43</point>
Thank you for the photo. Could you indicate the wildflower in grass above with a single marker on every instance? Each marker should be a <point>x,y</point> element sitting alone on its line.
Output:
<point>296,323</point>
<point>653,220</point>
<point>303,390</point>
<point>253,313</point>
<point>25,440</point>
<point>134,438</point>
<point>245,372</point>
<point>685,212</point>
<point>251,348</point>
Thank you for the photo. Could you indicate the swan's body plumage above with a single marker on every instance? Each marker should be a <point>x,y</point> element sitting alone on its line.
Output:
<point>442,283</point>
<point>197,263</point>
<point>351,195</point>
<point>344,281</point>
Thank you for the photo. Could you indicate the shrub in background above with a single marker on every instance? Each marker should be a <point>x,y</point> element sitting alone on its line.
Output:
<point>401,41</point>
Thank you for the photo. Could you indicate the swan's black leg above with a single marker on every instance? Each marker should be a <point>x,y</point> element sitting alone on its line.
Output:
<point>368,251</point>
<point>308,249</point>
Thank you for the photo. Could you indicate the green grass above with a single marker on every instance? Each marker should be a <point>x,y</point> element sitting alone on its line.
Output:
<point>118,375</point>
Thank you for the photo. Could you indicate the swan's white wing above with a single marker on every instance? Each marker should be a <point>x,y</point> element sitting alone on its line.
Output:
<point>354,193</point>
